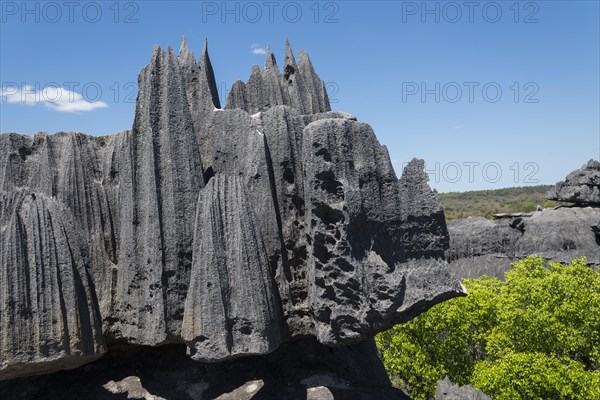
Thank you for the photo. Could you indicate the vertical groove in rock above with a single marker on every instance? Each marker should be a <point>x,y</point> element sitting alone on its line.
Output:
<point>286,166</point>
<point>67,166</point>
<point>235,145</point>
<point>49,316</point>
<point>158,190</point>
<point>232,306</point>
<point>303,230</point>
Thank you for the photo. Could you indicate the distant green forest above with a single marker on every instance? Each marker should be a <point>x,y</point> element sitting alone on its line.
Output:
<point>486,203</point>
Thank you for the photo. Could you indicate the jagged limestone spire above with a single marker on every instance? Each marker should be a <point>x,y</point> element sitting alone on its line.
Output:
<point>246,262</point>
<point>290,66</point>
<point>270,62</point>
<point>205,46</point>
<point>185,56</point>
<point>289,54</point>
<point>297,86</point>
<point>209,75</point>
<point>303,58</point>
<point>184,45</point>
<point>155,51</point>
<point>237,96</point>
<point>171,169</point>
<point>319,100</point>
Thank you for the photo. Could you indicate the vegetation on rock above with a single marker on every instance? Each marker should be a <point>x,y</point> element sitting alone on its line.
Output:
<point>486,203</point>
<point>535,335</point>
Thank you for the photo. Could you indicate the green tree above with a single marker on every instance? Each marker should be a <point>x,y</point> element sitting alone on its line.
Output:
<point>534,336</point>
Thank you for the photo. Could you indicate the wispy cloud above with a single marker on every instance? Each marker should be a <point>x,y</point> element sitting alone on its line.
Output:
<point>257,49</point>
<point>55,98</point>
<point>458,126</point>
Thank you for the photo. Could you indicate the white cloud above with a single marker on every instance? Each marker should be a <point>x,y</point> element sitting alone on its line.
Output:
<point>458,126</point>
<point>257,49</point>
<point>53,97</point>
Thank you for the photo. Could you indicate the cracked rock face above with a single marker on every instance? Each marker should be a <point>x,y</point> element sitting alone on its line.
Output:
<point>580,186</point>
<point>232,231</point>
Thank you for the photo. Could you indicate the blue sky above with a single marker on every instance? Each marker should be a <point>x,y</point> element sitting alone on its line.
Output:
<point>425,75</point>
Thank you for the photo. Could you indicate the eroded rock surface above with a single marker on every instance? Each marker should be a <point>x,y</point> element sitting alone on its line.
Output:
<point>297,86</point>
<point>233,231</point>
<point>232,305</point>
<point>479,246</point>
<point>446,390</point>
<point>580,186</point>
<point>50,317</point>
<point>159,177</point>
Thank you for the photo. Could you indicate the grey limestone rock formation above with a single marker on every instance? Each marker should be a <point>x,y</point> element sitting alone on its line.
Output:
<point>233,232</point>
<point>159,177</point>
<point>223,318</point>
<point>446,390</point>
<point>50,317</point>
<point>479,246</point>
<point>580,186</point>
<point>297,86</point>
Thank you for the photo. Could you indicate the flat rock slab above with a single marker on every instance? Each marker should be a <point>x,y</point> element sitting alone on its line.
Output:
<point>479,246</point>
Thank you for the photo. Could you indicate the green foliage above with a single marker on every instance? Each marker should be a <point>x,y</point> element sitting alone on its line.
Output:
<point>536,376</point>
<point>486,203</point>
<point>534,336</point>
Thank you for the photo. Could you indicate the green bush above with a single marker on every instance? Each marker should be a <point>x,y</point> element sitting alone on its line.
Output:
<point>486,203</point>
<point>534,336</point>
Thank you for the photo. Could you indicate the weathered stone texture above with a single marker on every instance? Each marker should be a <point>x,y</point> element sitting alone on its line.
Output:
<point>231,230</point>
<point>580,186</point>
